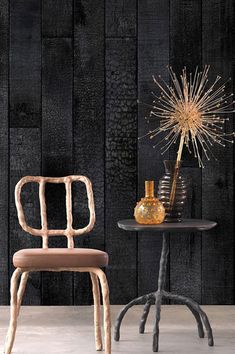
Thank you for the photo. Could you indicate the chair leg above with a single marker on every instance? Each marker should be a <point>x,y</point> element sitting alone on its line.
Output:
<point>106,305</point>
<point>14,312</point>
<point>21,290</point>
<point>97,315</point>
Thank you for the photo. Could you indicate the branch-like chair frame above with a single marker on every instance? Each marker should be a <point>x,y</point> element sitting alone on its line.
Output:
<point>96,274</point>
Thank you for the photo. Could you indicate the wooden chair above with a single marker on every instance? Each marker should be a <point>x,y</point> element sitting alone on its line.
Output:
<point>59,259</point>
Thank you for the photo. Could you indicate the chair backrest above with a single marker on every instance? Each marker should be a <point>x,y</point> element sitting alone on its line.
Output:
<point>44,232</point>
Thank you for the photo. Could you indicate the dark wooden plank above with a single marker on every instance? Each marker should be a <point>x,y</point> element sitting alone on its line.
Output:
<point>88,126</point>
<point>57,18</point>
<point>184,32</point>
<point>217,177</point>
<point>25,63</point>
<point>185,255</point>
<point>120,18</point>
<point>25,159</point>
<point>185,50</point>
<point>120,166</point>
<point>4,20</point>
<point>57,78</point>
<point>153,56</point>
<point>57,82</point>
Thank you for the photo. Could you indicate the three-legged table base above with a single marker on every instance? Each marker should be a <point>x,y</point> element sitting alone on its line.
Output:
<point>156,299</point>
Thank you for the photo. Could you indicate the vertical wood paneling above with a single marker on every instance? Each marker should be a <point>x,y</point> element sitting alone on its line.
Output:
<point>4,30</point>
<point>25,159</point>
<point>88,118</point>
<point>120,18</point>
<point>120,167</point>
<point>57,106</point>
<point>185,51</point>
<point>25,111</point>
<point>153,57</point>
<point>25,63</point>
<point>57,139</point>
<point>217,177</point>
<point>92,59</point>
<point>57,18</point>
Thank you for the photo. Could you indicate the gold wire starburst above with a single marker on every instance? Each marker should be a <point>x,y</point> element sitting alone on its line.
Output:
<point>190,109</point>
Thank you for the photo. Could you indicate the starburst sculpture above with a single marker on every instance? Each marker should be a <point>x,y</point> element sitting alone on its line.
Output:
<point>189,110</point>
<point>192,112</point>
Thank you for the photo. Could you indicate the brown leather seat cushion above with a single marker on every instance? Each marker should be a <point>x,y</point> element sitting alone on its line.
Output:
<point>60,257</point>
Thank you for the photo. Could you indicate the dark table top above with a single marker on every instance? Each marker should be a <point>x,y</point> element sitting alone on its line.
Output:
<point>185,225</point>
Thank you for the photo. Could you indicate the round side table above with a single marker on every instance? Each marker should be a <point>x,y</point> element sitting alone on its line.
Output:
<point>187,225</point>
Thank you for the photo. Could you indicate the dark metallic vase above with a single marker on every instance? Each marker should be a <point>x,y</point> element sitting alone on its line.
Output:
<point>174,213</point>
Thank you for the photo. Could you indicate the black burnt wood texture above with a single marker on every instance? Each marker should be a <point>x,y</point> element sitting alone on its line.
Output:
<point>4,152</point>
<point>57,135</point>
<point>217,177</point>
<point>25,63</point>
<point>88,127</point>
<point>120,145</point>
<point>24,125</point>
<point>153,57</point>
<point>70,76</point>
<point>186,51</point>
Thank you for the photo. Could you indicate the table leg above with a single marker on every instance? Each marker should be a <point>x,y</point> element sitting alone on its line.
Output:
<point>159,293</point>
<point>197,317</point>
<point>122,313</point>
<point>145,316</point>
<point>196,309</point>
<point>156,297</point>
<point>157,320</point>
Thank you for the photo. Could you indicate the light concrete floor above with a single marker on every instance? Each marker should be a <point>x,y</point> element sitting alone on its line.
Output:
<point>62,330</point>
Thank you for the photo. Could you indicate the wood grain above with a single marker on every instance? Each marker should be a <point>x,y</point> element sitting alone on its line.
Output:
<point>4,152</point>
<point>88,114</point>
<point>25,159</point>
<point>88,60</point>
<point>120,166</point>
<point>217,177</point>
<point>25,63</point>
<point>120,18</point>
<point>185,50</point>
<point>57,18</point>
<point>153,56</point>
<point>57,138</point>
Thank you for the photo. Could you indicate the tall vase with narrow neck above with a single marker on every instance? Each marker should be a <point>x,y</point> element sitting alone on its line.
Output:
<point>173,202</point>
<point>149,210</point>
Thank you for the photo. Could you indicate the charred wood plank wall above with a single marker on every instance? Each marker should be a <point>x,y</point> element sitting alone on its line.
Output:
<point>70,76</point>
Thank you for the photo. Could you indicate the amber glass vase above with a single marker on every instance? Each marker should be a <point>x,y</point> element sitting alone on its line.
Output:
<point>174,212</point>
<point>149,210</point>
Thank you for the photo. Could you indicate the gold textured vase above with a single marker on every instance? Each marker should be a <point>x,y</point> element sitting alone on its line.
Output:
<point>149,210</point>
